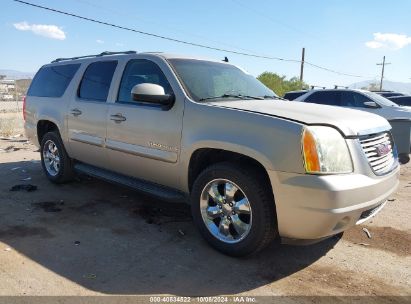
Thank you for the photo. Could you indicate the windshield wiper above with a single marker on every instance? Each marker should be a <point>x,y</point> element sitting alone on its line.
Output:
<point>232,96</point>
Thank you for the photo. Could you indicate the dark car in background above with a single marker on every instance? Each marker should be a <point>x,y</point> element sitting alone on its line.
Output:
<point>388,94</point>
<point>404,101</point>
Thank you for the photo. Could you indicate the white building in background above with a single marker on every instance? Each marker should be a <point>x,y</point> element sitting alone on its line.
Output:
<point>7,89</point>
<point>6,97</point>
<point>6,85</point>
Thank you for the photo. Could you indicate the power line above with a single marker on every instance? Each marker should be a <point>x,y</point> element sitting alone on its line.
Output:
<point>127,14</point>
<point>273,20</point>
<point>184,41</point>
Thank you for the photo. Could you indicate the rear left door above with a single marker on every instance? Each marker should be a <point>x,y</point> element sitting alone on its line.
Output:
<point>87,114</point>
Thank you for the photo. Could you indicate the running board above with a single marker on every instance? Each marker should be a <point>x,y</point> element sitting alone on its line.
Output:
<point>162,192</point>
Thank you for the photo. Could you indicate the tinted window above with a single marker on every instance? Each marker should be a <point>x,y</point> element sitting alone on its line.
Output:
<point>52,81</point>
<point>293,95</point>
<point>96,80</point>
<point>140,71</point>
<point>331,98</point>
<point>353,99</point>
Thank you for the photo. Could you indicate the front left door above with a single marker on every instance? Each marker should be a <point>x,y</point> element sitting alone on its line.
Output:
<point>143,140</point>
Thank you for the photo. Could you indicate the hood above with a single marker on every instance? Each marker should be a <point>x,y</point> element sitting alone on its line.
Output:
<point>349,122</point>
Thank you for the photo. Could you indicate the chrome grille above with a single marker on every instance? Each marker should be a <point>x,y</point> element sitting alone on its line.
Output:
<point>372,144</point>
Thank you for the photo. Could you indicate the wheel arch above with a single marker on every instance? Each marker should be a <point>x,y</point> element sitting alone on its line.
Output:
<point>44,126</point>
<point>202,158</point>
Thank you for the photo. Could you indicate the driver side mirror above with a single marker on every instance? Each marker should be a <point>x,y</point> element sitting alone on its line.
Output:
<point>371,104</point>
<point>153,94</point>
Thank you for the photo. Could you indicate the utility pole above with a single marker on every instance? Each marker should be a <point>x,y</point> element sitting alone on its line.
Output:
<point>382,72</point>
<point>15,95</point>
<point>302,65</point>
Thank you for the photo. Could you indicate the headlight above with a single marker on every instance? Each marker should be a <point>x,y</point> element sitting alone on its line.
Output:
<point>325,151</point>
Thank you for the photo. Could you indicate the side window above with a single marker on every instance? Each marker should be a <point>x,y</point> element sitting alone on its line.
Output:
<point>348,100</point>
<point>331,98</point>
<point>52,81</point>
<point>96,80</point>
<point>353,99</point>
<point>140,71</point>
<point>360,100</point>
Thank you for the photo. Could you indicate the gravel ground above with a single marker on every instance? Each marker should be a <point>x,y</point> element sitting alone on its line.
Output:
<point>93,238</point>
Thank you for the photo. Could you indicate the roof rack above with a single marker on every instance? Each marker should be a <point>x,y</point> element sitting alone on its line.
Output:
<point>106,53</point>
<point>316,86</point>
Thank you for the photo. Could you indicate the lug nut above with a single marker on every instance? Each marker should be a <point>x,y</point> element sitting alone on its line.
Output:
<point>229,218</point>
<point>231,204</point>
<point>233,213</point>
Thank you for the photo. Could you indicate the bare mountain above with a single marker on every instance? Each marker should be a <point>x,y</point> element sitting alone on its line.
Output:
<point>402,87</point>
<point>12,74</point>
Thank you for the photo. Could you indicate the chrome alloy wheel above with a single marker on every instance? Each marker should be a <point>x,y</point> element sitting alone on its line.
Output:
<point>226,211</point>
<point>51,158</point>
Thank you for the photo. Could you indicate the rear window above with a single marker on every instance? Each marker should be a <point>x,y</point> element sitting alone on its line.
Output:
<point>96,80</point>
<point>52,81</point>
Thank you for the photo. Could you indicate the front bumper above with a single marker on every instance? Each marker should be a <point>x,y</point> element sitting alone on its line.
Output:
<point>313,207</point>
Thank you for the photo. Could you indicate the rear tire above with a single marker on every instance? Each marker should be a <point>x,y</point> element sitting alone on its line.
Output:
<point>234,209</point>
<point>56,164</point>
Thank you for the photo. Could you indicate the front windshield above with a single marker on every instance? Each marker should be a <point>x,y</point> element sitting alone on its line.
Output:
<point>207,80</point>
<point>380,100</point>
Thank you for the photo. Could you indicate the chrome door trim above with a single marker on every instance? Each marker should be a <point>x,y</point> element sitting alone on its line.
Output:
<point>86,138</point>
<point>166,156</point>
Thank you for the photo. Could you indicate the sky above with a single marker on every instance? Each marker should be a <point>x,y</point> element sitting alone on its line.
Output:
<point>348,36</point>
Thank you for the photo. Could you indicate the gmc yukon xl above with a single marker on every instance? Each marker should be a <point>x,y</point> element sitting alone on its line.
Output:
<point>253,167</point>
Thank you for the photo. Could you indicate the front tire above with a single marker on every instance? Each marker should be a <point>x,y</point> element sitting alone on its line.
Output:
<point>56,164</point>
<point>233,208</point>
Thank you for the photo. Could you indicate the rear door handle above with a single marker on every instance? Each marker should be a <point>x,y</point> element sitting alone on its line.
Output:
<point>76,112</point>
<point>118,118</point>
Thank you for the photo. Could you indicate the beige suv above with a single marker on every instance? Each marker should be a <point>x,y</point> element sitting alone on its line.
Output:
<point>253,167</point>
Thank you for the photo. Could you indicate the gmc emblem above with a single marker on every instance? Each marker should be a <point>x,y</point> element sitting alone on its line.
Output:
<point>383,149</point>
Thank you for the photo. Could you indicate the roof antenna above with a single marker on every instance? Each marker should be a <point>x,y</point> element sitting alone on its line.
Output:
<point>225,59</point>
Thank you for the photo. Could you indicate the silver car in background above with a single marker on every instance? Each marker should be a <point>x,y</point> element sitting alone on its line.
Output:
<point>398,116</point>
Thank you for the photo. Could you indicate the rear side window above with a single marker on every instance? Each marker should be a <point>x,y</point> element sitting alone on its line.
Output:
<point>52,81</point>
<point>96,80</point>
<point>331,98</point>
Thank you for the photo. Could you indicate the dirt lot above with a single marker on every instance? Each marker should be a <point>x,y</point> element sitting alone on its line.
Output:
<point>10,123</point>
<point>90,238</point>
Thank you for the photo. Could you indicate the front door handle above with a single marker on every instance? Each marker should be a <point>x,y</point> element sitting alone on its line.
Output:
<point>118,118</point>
<point>76,112</point>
